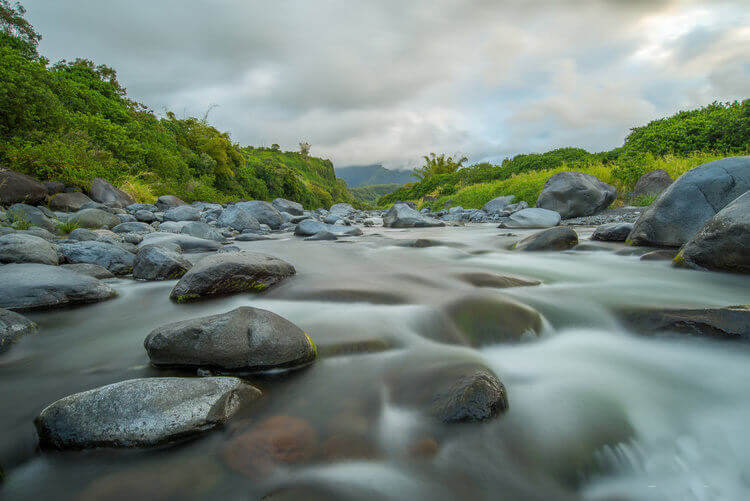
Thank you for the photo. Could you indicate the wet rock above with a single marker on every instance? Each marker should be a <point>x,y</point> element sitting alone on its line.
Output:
<point>732,323</point>
<point>264,212</point>
<point>13,327</point>
<point>202,230</point>
<point>39,286</point>
<point>245,340</point>
<point>533,218</point>
<point>159,263</point>
<point>109,256</point>
<point>691,201</point>
<point>19,188</point>
<point>723,244</point>
<point>293,208</point>
<point>612,232</point>
<point>166,202</point>
<point>92,270</point>
<point>342,348</point>
<point>231,273</point>
<point>659,255</point>
<point>95,218</point>
<point>68,202</point>
<point>36,216</point>
<point>557,239</point>
<point>23,248</point>
<point>251,237</point>
<point>186,243</point>
<point>575,194</point>
<point>652,183</point>
<point>103,192</point>
<point>498,205</point>
<point>142,412</point>
<point>182,213</point>
<point>238,218</point>
<point>310,227</point>
<point>495,280</point>
<point>403,216</point>
<point>323,235</point>
<point>425,447</point>
<point>134,227</point>
<point>486,320</point>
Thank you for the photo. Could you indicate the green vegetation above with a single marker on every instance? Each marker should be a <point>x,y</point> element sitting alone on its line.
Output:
<point>675,144</point>
<point>371,194</point>
<point>72,122</point>
<point>67,226</point>
<point>438,164</point>
<point>645,200</point>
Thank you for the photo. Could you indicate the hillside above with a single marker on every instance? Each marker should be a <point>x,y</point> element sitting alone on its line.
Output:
<point>371,194</point>
<point>73,121</point>
<point>368,175</point>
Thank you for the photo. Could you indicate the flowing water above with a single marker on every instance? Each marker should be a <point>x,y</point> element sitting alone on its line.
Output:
<point>596,412</point>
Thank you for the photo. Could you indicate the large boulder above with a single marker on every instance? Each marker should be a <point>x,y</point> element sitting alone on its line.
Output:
<point>159,263</point>
<point>612,232</point>
<point>245,339</point>
<point>732,323</point>
<point>557,239</point>
<point>68,202</point>
<point>183,213</point>
<point>264,212</point>
<point>18,188</point>
<point>35,216</point>
<point>342,210</point>
<point>186,243</point>
<point>498,204</point>
<point>103,192</point>
<point>166,202</point>
<point>198,229</point>
<point>24,248</point>
<point>109,256</point>
<point>575,194</point>
<point>403,216</point>
<point>142,412</point>
<point>652,183</point>
<point>723,244</point>
<point>238,218</point>
<point>310,227</point>
<point>533,218</point>
<point>13,327</point>
<point>284,205</point>
<point>32,286</point>
<point>95,219</point>
<point>231,273</point>
<point>92,270</point>
<point>691,201</point>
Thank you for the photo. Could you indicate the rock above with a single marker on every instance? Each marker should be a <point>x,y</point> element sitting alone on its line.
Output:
<point>403,216</point>
<point>732,323</point>
<point>92,270</point>
<point>166,202</point>
<point>53,187</point>
<point>35,216</point>
<point>293,208</point>
<point>145,216</point>
<point>109,256</point>
<point>238,218</point>
<point>498,205</point>
<point>36,231</point>
<point>558,238</point>
<point>142,412</point>
<point>245,339</point>
<point>575,194</point>
<point>133,208</point>
<point>126,218</point>
<point>723,244</point>
<point>231,273</point>
<point>342,210</point>
<point>691,201</point>
<point>40,286</point>
<point>95,218</point>
<point>310,227</point>
<point>495,280</point>
<point>332,219</point>
<point>103,192</point>
<point>18,188</point>
<point>159,263</point>
<point>659,255</point>
<point>13,327</point>
<point>186,243</point>
<point>68,202</point>
<point>264,212</point>
<point>182,213</point>
<point>251,237</point>
<point>22,248</point>
<point>485,320</point>
<point>533,218</point>
<point>198,229</point>
<point>323,235</point>
<point>652,183</point>
<point>612,232</point>
<point>173,226</point>
<point>134,227</point>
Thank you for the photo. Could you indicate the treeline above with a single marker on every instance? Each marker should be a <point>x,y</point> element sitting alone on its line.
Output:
<point>73,121</point>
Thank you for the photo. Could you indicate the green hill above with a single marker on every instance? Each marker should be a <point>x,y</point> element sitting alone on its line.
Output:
<point>370,175</point>
<point>371,194</point>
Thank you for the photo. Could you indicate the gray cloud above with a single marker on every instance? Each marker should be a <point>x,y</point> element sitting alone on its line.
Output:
<point>388,81</point>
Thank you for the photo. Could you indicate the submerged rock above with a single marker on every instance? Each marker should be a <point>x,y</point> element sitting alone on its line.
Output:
<point>485,320</point>
<point>403,216</point>
<point>732,323</point>
<point>159,263</point>
<point>245,339</point>
<point>23,248</point>
<point>575,194</point>
<point>142,412</point>
<point>231,273</point>
<point>13,327</point>
<point>612,232</point>
<point>495,280</point>
<point>557,239</point>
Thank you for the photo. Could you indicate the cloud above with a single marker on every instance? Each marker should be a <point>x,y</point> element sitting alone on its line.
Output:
<point>388,81</point>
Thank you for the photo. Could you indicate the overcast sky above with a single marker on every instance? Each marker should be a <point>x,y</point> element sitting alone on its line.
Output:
<point>386,81</point>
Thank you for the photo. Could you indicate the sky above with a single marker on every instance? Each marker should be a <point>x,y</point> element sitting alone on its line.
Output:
<point>387,81</point>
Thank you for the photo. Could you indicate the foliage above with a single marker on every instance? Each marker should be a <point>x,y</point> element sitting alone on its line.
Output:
<point>438,164</point>
<point>304,149</point>
<point>645,200</point>
<point>17,220</point>
<point>370,194</point>
<point>67,226</point>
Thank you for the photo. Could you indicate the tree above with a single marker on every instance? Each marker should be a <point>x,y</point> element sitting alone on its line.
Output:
<point>438,164</point>
<point>18,31</point>
<point>304,149</point>
<point>275,147</point>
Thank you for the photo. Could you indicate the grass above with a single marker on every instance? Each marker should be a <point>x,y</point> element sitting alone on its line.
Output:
<point>645,200</point>
<point>17,221</point>
<point>139,189</point>
<point>66,227</point>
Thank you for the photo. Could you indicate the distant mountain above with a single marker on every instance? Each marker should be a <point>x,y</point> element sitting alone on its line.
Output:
<point>366,175</point>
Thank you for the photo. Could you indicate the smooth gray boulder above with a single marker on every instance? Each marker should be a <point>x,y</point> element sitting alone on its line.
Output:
<point>284,205</point>
<point>403,216</point>
<point>245,339</point>
<point>103,192</point>
<point>133,208</point>
<point>557,239</point>
<point>202,230</point>
<point>19,188</point>
<point>310,227</point>
<point>533,218</point>
<point>95,219</point>
<point>68,202</point>
<point>183,213</point>
<point>231,273</point>
<point>142,412</point>
<point>238,218</point>
<point>159,263</point>
<point>342,210</point>
<point>24,248</point>
<point>498,205</point>
<point>53,187</point>
<point>134,227</point>
<point>576,194</point>
<point>691,201</point>
<point>723,244</point>
<point>612,232</point>
<point>13,327</point>
<point>186,243</point>
<point>144,216</point>
<point>652,183</point>
<point>35,216</point>
<point>322,235</point>
<point>332,219</point>
<point>109,256</point>
<point>264,212</point>
<point>32,286</point>
<point>92,270</point>
<point>251,237</point>
<point>166,202</point>
<point>173,226</point>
